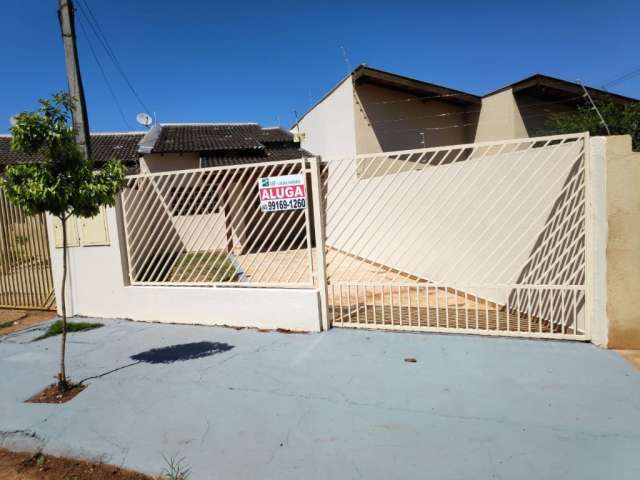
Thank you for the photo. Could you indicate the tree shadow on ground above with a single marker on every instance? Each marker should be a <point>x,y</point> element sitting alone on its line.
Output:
<point>171,354</point>
<point>181,352</point>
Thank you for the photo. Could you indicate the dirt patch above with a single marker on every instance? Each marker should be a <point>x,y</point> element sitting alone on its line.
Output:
<point>15,320</point>
<point>27,466</point>
<point>51,394</point>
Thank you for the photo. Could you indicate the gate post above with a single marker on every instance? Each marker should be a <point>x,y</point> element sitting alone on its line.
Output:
<point>318,224</point>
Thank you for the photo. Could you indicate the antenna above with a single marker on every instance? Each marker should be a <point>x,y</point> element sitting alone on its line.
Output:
<point>144,119</point>
<point>346,59</point>
<point>606,127</point>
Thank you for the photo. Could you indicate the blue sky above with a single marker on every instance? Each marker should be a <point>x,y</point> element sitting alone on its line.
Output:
<point>204,61</point>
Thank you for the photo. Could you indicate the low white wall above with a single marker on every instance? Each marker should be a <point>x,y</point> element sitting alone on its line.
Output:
<point>97,288</point>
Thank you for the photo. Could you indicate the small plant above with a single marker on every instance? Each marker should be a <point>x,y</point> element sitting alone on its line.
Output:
<point>56,328</point>
<point>176,469</point>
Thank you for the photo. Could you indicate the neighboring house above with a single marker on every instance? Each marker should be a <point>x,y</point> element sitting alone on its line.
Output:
<point>104,146</point>
<point>179,146</point>
<point>182,146</point>
<point>373,111</point>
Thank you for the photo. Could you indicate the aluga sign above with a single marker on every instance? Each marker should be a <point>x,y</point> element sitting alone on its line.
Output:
<point>286,192</point>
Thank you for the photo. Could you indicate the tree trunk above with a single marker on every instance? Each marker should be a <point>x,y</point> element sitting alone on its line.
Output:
<point>63,385</point>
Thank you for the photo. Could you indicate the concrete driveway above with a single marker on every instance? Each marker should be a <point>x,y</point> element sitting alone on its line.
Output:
<point>337,405</point>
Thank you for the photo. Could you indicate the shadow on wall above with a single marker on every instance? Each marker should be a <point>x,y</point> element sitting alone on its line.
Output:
<point>558,258</point>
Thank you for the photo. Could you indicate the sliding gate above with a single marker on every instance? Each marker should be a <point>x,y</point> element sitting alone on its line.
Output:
<point>486,238</point>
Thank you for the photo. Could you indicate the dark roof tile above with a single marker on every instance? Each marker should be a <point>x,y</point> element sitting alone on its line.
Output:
<point>105,146</point>
<point>208,138</point>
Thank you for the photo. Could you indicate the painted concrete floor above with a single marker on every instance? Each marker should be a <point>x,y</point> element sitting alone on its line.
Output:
<point>337,405</point>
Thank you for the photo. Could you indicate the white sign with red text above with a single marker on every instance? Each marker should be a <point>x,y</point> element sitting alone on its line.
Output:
<point>286,192</point>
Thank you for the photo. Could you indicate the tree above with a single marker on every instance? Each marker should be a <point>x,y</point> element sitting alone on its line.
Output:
<point>621,120</point>
<point>61,181</point>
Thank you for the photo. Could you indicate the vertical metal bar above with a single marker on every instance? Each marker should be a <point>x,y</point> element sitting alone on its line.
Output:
<point>437,299</point>
<point>589,239</point>
<point>319,232</point>
<point>418,304</point>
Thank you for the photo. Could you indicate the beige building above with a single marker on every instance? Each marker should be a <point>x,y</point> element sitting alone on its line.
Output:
<point>373,111</point>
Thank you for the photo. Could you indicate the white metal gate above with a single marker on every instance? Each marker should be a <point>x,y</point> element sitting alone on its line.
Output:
<point>488,238</point>
<point>205,227</point>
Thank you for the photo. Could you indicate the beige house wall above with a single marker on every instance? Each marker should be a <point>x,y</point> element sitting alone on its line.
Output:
<point>157,162</point>
<point>386,122</point>
<point>500,118</point>
<point>623,243</point>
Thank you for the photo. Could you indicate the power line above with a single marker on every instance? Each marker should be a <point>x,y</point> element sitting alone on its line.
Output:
<point>493,119</point>
<point>97,30</point>
<point>104,76</point>
<point>417,98</point>
<point>622,78</point>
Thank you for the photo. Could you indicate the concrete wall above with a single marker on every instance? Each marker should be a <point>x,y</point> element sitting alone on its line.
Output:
<point>329,127</point>
<point>385,122</point>
<point>623,243</point>
<point>98,288</point>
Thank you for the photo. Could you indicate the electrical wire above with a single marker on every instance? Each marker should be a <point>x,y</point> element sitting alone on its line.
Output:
<point>622,78</point>
<point>460,125</point>
<point>415,99</point>
<point>464,112</point>
<point>104,76</point>
<point>99,33</point>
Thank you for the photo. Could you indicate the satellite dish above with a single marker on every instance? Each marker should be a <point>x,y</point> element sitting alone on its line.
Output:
<point>13,120</point>
<point>144,119</point>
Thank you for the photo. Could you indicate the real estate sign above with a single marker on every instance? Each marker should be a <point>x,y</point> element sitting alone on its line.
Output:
<point>286,192</point>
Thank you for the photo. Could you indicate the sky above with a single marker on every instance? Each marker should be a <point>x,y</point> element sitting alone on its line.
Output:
<point>261,61</point>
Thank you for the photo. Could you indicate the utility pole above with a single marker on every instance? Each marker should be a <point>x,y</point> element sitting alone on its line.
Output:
<point>66,17</point>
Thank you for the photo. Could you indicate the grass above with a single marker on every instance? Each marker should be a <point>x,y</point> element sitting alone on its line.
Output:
<point>6,324</point>
<point>56,328</point>
<point>213,266</point>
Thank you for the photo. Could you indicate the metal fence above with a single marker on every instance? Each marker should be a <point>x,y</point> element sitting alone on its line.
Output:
<point>25,265</point>
<point>207,227</point>
<point>485,238</point>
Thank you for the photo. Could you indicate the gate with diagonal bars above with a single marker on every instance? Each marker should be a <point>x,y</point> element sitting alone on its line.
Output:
<point>205,227</point>
<point>25,265</point>
<point>487,238</point>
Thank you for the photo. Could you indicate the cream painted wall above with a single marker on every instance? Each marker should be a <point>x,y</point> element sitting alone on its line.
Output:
<point>157,162</point>
<point>98,289</point>
<point>623,243</point>
<point>500,118</point>
<point>329,127</point>
<point>397,125</point>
